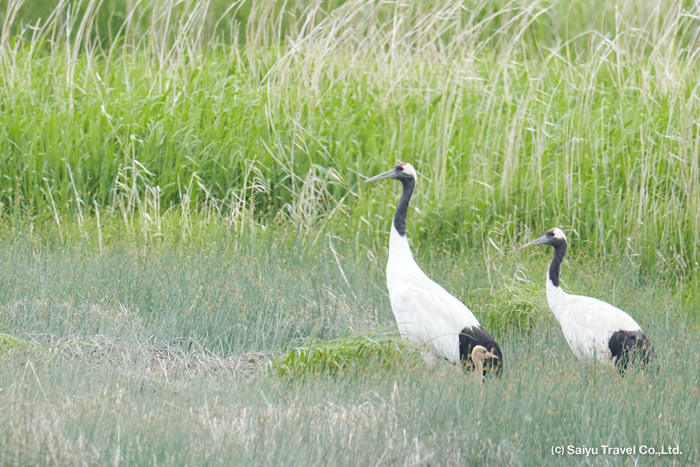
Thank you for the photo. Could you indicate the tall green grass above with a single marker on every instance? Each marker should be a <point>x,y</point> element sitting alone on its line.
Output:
<point>165,118</point>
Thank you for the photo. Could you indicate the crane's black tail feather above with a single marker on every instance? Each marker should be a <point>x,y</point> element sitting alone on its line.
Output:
<point>629,347</point>
<point>476,335</point>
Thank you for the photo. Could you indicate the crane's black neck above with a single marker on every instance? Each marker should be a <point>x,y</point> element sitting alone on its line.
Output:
<point>402,208</point>
<point>559,252</point>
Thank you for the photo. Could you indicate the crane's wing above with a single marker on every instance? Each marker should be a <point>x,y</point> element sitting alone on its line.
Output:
<point>428,314</point>
<point>588,323</point>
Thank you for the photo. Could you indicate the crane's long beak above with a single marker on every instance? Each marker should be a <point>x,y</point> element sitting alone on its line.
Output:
<point>382,176</point>
<point>538,241</point>
<point>491,355</point>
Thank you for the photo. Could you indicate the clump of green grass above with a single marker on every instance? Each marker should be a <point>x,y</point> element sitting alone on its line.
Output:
<point>9,342</point>
<point>368,351</point>
<point>514,307</point>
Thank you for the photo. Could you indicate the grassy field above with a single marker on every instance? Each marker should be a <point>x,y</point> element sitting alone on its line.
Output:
<point>148,357</point>
<point>181,203</point>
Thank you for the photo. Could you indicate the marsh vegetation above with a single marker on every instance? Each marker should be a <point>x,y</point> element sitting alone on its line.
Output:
<point>181,203</point>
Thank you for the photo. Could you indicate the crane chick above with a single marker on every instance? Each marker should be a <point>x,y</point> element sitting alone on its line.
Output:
<point>479,355</point>
<point>425,312</point>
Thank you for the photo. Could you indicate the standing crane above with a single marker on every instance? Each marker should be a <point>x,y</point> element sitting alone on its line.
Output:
<point>425,312</point>
<point>594,329</point>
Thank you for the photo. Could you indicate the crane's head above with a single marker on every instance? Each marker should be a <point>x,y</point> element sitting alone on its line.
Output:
<point>479,354</point>
<point>553,237</point>
<point>402,171</point>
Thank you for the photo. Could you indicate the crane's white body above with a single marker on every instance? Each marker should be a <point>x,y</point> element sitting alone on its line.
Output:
<point>588,323</point>
<point>425,312</point>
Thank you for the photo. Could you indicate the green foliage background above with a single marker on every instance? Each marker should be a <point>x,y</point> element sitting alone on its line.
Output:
<point>519,116</point>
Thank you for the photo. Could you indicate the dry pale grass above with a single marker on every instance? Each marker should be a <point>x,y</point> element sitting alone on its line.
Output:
<point>173,361</point>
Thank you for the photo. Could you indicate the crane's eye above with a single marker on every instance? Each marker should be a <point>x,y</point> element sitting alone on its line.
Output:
<point>399,168</point>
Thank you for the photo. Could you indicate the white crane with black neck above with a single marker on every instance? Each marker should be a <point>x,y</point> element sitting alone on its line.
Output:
<point>425,312</point>
<point>594,329</point>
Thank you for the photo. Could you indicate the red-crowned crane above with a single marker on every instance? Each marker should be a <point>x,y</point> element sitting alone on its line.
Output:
<point>594,329</point>
<point>425,312</point>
